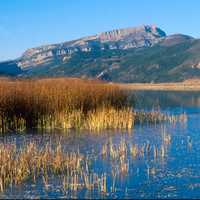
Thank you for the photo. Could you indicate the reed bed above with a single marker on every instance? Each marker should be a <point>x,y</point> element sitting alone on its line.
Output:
<point>31,162</point>
<point>62,103</point>
<point>17,165</point>
<point>123,150</point>
<point>158,117</point>
<point>70,103</point>
<point>120,155</point>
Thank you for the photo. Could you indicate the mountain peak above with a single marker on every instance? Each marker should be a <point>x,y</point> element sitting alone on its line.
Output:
<point>117,34</point>
<point>155,30</point>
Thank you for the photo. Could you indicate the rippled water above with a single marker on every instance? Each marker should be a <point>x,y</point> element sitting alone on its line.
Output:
<point>173,173</point>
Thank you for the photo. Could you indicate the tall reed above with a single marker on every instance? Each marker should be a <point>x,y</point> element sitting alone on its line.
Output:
<point>62,103</point>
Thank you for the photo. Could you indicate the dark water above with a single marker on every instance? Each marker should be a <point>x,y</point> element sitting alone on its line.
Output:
<point>174,173</point>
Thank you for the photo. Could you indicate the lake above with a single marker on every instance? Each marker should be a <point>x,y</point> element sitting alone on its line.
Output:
<point>150,161</point>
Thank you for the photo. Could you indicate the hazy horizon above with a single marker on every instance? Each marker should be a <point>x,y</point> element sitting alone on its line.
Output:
<point>26,24</point>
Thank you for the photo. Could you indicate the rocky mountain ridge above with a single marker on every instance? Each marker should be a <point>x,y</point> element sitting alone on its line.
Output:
<point>143,36</point>
<point>141,54</point>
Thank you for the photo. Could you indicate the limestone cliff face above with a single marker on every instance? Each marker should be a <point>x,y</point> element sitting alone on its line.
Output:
<point>142,36</point>
<point>132,34</point>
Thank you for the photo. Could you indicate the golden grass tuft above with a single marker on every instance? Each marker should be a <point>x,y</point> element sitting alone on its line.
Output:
<point>110,118</point>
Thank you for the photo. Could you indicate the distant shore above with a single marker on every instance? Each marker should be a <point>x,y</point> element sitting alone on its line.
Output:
<point>189,85</point>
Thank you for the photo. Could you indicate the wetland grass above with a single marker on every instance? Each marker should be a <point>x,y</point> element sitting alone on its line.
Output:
<point>70,103</point>
<point>154,117</point>
<point>63,103</point>
<point>121,155</point>
<point>32,161</point>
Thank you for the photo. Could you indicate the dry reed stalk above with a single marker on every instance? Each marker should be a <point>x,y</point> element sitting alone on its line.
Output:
<point>31,161</point>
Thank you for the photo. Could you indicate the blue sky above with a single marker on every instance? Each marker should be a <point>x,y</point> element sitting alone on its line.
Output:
<point>30,23</point>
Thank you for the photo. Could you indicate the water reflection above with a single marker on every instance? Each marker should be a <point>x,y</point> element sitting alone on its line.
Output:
<point>167,100</point>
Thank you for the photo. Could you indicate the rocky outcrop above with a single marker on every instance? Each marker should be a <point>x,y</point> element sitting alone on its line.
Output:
<point>143,36</point>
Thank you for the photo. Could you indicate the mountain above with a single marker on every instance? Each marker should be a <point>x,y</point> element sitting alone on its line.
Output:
<point>116,39</point>
<point>140,54</point>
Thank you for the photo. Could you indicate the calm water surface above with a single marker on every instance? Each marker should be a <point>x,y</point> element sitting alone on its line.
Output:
<point>174,173</point>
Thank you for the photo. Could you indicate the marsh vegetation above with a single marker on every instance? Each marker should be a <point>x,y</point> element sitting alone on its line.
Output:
<point>86,139</point>
<point>30,161</point>
<point>63,104</point>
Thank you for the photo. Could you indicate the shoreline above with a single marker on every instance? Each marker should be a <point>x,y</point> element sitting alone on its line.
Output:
<point>179,86</point>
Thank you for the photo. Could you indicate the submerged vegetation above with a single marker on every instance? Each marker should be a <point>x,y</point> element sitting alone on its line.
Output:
<point>32,161</point>
<point>63,103</point>
<point>35,162</point>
